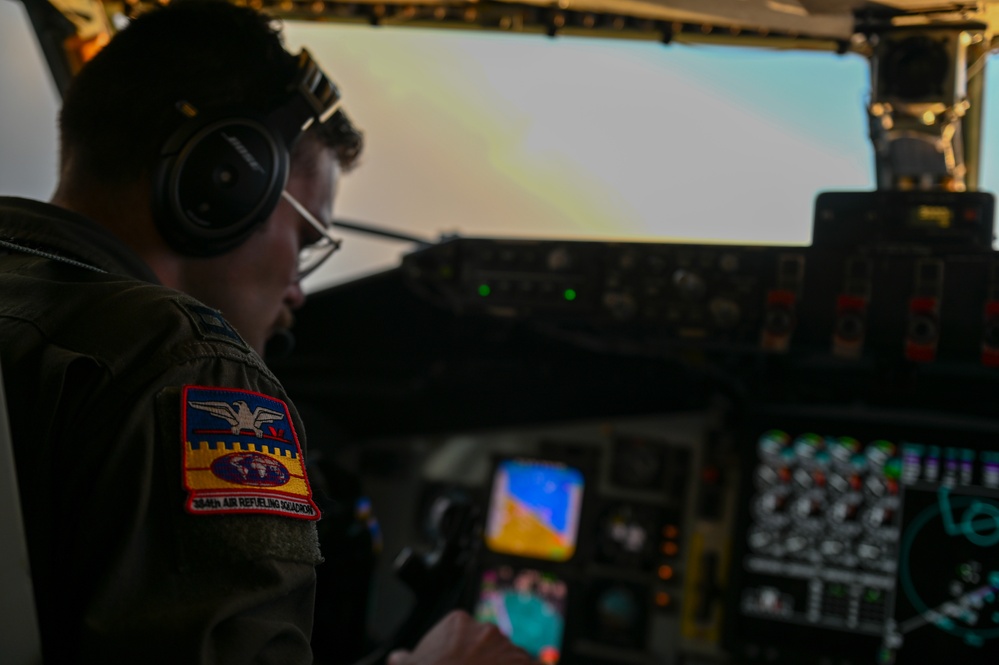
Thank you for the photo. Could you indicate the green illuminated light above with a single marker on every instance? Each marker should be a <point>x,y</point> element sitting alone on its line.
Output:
<point>484,290</point>
<point>893,468</point>
<point>570,294</point>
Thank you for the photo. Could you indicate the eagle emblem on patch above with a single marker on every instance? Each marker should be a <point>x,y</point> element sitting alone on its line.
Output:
<point>242,455</point>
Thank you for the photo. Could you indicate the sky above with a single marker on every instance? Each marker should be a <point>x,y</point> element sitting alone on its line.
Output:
<point>488,134</point>
<point>525,136</point>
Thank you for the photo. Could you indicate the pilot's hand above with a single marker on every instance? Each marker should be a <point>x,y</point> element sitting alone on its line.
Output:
<point>458,639</point>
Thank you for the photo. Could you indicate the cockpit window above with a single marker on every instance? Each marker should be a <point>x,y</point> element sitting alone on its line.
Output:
<point>486,134</point>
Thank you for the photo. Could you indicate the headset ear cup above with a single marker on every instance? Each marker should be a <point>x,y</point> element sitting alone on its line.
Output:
<point>215,182</point>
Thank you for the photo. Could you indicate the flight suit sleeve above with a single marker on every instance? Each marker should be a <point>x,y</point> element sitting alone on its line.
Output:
<point>196,538</point>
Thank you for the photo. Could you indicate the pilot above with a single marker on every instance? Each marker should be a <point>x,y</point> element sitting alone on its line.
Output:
<point>168,509</point>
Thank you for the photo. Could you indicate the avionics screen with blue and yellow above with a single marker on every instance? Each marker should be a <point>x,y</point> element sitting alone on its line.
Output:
<point>534,509</point>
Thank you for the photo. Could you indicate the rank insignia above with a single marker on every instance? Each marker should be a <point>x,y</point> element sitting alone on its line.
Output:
<point>241,455</point>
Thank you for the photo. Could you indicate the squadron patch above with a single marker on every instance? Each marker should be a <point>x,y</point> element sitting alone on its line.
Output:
<point>241,455</point>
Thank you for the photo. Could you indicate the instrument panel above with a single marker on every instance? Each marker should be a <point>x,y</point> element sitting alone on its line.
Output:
<point>584,543</point>
<point>895,275</point>
<point>804,535</point>
<point>692,453</point>
<point>853,541</point>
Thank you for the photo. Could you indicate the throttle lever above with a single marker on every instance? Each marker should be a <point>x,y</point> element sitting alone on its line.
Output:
<point>436,577</point>
<point>454,526</point>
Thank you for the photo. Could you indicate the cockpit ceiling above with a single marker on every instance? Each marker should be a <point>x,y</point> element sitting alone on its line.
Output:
<point>822,19</point>
<point>810,24</point>
<point>831,21</point>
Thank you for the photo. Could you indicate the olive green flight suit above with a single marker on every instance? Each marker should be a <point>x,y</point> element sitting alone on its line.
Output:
<point>94,354</point>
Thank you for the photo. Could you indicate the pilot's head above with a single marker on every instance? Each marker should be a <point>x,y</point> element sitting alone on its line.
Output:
<point>184,137</point>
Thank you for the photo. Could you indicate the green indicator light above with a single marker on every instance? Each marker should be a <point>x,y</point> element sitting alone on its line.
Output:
<point>850,443</point>
<point>484,290</point>
<point>893,468</point>
<point>810,440</point>
<point>885,446</point>
<point>570,294</point>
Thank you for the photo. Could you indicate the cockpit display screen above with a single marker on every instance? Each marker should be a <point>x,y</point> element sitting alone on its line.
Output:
<point>528,606</point>
<point>878,540</point>
<point>534,509</point>
<point>946,601</point>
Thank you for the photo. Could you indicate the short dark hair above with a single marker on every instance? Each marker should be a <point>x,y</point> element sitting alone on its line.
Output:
<point>122,106</point>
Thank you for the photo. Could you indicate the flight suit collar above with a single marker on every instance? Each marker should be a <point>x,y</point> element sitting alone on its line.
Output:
<point>48,228</point>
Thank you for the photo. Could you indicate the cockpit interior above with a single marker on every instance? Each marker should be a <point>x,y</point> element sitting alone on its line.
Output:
<point>656,445</point>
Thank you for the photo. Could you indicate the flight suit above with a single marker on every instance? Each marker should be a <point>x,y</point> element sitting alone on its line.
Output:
<point>95,357</point>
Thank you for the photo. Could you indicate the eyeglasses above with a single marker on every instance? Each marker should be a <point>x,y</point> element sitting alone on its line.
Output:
<point>315,254</point>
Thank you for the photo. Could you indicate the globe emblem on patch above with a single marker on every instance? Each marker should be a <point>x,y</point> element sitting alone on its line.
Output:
<point>251,469</point>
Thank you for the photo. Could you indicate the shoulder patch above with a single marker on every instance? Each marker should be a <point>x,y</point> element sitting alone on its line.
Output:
<point>241,455</point>
<point>210,323</point>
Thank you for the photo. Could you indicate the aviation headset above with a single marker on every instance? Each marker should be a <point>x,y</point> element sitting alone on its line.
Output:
<point>220,175</point>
